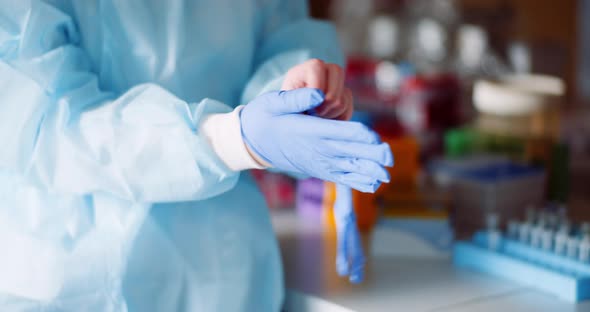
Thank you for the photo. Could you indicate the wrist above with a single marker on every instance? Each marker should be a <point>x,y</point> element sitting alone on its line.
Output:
<point>257,158</point>
<point>224,134</point>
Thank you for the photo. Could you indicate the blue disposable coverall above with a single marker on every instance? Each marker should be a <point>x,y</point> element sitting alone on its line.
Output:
<point>110,198</point>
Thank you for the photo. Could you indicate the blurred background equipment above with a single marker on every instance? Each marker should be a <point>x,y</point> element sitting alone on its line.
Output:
<point>486,106</point>
<point>544,251</point>
<point>449,80</point>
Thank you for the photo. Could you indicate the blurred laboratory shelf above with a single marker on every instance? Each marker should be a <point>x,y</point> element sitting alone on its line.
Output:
<point>393,281</point>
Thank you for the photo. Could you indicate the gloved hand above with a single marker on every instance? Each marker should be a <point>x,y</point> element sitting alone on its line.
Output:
<point>350,260</point>
<point>275,129</point>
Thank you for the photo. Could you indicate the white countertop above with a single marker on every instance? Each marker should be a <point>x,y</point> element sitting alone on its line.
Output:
<point>392,282</point>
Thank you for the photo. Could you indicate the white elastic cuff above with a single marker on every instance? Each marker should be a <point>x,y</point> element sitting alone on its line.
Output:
<point>224,133</point>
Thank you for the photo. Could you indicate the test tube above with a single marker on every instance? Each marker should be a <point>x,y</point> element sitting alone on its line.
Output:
<point>562,213</point>
<point>494,234</point>
<point>553,221</point>
<point>542,219</point>
<point>547,237</point>
<point>563,223</point>
<point>572,246</point>
<point>560,242</point>
<point>565,226</point>
<point>584,229</point>
<point>536,232</point>
<point>524,230</point>
<point>561,236</point>
<point>584,248</point>
<point>513,226</point>
<point>531,215</point>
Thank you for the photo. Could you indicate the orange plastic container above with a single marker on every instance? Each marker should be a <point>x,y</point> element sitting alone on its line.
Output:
<point>404,172</point>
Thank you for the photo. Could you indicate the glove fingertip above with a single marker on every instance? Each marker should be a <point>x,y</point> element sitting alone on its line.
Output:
<point>317,97</point>
<point>375,186</point>
<point>371,188</point>
<point>383,175</point>
<point>388,158</point>
<point>356,278</point>
<point>364,189</point>
<point>301,100</point>
<point>342,269</point>
<point>357,272</point>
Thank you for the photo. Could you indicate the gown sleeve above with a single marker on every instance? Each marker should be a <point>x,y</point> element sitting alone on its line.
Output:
<point>288,36</point>
<point>61,131</point>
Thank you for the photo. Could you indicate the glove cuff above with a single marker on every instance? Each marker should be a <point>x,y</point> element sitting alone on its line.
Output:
<point>224,134</point>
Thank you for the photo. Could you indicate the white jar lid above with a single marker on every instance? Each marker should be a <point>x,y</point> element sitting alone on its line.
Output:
<point>517,94</point>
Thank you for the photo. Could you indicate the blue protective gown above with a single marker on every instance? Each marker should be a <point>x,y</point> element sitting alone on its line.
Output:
<point>110,198</point>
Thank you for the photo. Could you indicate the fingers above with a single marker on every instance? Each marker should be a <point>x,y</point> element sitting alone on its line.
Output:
<point>343,211</point>
<point>340,109</point>
<point>327,77</point>
<point>347,131</point>
<point>301,76</point>
<point>359,182</point>
<point>379,153</point>
<point>331,109</point>
<point>357,257</point>
<point>342,253</point>
<point>341,260</point>
<point>361,166</point>
<point>350,259</point>
<point>335,103</point>
<point>316,74</point>
<point>335,82</point>
<point>348,105</point>
<point>298,100</point>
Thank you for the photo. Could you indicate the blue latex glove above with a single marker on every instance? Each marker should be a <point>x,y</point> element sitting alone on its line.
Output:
<point>339,151</point>
<point>350,260</point>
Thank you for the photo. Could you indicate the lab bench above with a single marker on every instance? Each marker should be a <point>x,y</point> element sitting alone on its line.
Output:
<point>393,282</point>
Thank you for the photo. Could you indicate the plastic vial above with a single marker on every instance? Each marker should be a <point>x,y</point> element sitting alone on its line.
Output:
<point>553,221</point>
<point>530,215</point>
<point>524,230</point>
<point>537,230</point>
<point>562,211</point>
<point>542,219</point>
<point>572,246</point>
<point>565,227</point>
<point>560,242</point>
<point>547,237</point>
<point>584,229</point>
<point>584,248</point>
<point>536,235</point>
<point>494,234</point>
<point>513,226</point>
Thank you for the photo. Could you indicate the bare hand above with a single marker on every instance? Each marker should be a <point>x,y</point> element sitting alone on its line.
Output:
<point>330,79</point>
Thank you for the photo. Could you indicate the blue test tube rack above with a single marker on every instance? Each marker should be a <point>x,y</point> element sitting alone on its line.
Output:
<point>567,278</point>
